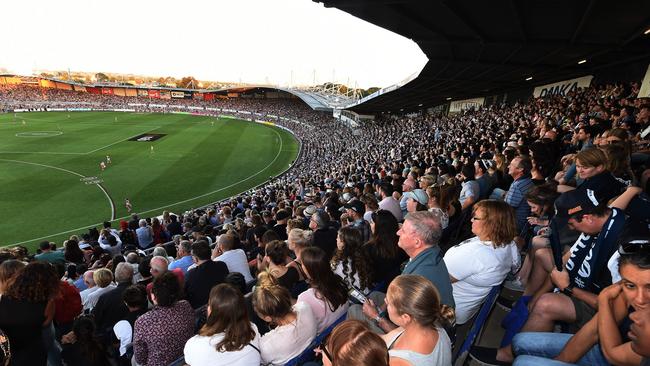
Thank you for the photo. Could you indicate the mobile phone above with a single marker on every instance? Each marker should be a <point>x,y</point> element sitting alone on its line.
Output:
<point>357,295</point>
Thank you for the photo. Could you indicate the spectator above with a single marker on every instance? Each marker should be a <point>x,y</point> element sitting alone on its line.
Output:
<point>416,200</point>
<point>418,237</point>
<point>160,334</point>
<point>8,271</point>
<point>519,170</point>
<point>183,257</point>
<point>204,276</point>
<point>355,210</point>
<point>110,241</point>
<point>72,253</point>
<point>382,250</point>
<point>414,306</point>
<point>49,255</point>
<point>599,226</point>
<point>234,258</point>
<point>135,299</point>
<point>328,294</point>
<point>160,235</point>
<point>298,240</point>
<point>228,337</point>
<point>324,235</point>
<point>103,279</point>
<point>600,341</point>
<point>110,307</point>
<point>145,234</point>
<point>351,343</point>
<point>81,348</point>
<point>469,194</point>
<point>26,308</point>
<point>295,326</point>
<point>479,263</point>
<point>90,286</point>
<point>349,262</point>
<point>388,202</point>
<point>280,228</point>
<point>277,255</point>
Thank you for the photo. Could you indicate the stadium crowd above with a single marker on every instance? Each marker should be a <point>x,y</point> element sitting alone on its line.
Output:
<point>401,227</point>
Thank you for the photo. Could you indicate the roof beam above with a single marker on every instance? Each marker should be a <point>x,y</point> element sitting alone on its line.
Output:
<point>582,22</point>
<point>517,18</point>
<point>479,35</point>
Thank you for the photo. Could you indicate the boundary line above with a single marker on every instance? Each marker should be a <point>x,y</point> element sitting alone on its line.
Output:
<point>157,208</point>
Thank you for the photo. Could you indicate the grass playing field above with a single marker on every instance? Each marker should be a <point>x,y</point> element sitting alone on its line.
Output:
<point>50,167</point>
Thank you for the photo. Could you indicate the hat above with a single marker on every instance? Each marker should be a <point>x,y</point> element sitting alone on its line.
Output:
<point>578,201</point>
<point>356,206</point>
<point>418,195</point>
<point>281,215</point>
<point>310,210</point>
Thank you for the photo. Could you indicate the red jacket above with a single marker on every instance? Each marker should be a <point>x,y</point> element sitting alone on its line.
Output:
<point>67,304</point>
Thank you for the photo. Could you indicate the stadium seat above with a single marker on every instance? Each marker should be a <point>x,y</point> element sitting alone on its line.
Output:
<point>477,326</point>
<point>308,354</point>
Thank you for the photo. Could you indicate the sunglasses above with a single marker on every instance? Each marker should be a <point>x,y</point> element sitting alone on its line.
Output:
<point>635,246</point>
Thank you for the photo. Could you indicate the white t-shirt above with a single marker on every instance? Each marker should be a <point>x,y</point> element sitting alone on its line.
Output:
<point>477,266</point>
<point>85,293</point>
<point>288,341</point>
<point>92,299</point>
<point>321,309</point>
<point>202,351</point>
<point>391,204</point>
<point>236,261</point>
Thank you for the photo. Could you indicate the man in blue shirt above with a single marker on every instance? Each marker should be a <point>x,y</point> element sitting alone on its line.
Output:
<point>519,169</point>
<point>418,237</point>
<point>184,256</point>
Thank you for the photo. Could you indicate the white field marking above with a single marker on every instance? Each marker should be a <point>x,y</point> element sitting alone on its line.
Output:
<point>78,153</point>
<point>161,207</point>
<point>42,152</point>
<point>67,171</point>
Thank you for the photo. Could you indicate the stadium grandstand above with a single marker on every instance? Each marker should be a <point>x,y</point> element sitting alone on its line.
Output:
<point>491,209</point>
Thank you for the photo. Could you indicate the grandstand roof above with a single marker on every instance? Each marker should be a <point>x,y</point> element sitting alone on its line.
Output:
<point>478,48</point>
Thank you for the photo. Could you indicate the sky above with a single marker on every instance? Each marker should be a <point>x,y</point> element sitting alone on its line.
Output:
<point>280,42</point>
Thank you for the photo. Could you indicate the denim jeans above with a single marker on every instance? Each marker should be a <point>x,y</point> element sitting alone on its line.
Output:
<point>539,348</point>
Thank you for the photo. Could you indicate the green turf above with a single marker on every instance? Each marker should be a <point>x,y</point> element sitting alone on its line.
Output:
<point>198,161</point>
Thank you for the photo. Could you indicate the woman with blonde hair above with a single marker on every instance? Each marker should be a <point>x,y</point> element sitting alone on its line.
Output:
<point>352,343</point>
<point>297,241</point>
<point>295,326</point>
<point>485,260</point>
<point>413,304</point>
<point>228,337</point>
